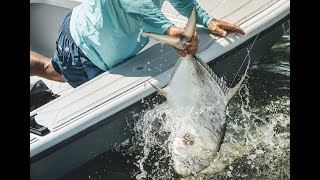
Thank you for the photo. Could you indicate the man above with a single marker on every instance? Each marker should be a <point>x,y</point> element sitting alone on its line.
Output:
<point>99,34</point>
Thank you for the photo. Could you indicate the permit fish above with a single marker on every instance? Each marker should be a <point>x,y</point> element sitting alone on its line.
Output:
<point>199,99</point>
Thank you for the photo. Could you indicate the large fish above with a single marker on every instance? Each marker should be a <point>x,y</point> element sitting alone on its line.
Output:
<point>199,100</point>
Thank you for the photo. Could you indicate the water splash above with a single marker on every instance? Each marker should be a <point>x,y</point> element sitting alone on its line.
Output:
<point>152,134</point>
<point>161,48</point>
<point>256,144</point>
<point>140,34</point>
<point>257,139</point>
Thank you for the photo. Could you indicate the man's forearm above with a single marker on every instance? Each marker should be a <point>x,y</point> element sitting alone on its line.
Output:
<point>185,8</point>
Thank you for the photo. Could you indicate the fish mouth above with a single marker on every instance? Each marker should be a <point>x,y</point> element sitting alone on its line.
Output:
<point>190,167</point>
<point>188,139</point>
<point>190,154</point>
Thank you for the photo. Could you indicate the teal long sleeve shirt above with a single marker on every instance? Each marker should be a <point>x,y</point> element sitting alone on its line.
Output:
<point>108,31</point>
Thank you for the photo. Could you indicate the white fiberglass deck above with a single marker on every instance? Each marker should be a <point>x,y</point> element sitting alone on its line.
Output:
<point>220,9</point>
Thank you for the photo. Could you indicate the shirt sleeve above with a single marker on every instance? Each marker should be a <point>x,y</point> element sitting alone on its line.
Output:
<point>148,13</point>
<point>184,7</point>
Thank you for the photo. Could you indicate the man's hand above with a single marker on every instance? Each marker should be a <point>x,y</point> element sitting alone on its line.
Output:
<point>221,27</point>
<point>190,47</point>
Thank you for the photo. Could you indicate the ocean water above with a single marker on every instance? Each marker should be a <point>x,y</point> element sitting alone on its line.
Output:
<point>256,143</point>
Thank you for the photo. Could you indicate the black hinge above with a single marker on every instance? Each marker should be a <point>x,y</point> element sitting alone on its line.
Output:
<point>37,128</point>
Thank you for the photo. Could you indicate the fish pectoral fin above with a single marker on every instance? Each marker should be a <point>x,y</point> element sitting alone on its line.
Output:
<point>173,41</point>
<point>178,42</point>
<point>162,91</point>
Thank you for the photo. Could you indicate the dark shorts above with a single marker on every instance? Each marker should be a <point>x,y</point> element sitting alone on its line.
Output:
<point>69,60</point>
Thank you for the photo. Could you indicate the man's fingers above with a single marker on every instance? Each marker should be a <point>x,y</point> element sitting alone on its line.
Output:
<point>180,52</point>
<point>193,42</point>
<point>195,38</point>
<point>174,31</point>
<point>191,48</point>
<point>219,31</point>
<point>232,27</point>
<point>216,25</point>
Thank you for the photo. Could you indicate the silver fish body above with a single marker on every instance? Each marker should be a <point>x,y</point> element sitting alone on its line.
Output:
<point>199,101</point>
<point>199,118</point>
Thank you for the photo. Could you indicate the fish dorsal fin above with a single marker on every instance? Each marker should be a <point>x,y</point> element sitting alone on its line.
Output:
<point>190,28</point>
<point>220,82</point>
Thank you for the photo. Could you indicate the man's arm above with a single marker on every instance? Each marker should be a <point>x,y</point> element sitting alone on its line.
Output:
<point>153,20</point>
<point>216,26</point>
<point>146,12</point>
<point>184,7</point>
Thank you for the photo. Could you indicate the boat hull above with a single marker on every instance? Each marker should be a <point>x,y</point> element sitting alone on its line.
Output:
<point>96,116</point>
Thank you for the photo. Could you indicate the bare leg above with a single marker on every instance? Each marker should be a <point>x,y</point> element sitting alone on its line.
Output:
<point>41,66</point>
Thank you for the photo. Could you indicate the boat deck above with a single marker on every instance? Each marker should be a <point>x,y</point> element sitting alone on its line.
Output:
<point>229,11</point>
